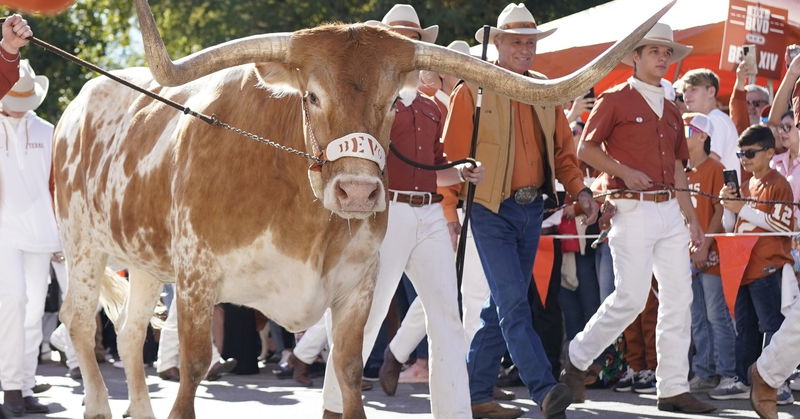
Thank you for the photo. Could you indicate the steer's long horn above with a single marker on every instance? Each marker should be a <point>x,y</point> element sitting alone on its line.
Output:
<point>541,92</point>
<point>258,48</point>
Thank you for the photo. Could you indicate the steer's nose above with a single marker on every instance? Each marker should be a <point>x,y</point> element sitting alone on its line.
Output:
<point>357,195</point>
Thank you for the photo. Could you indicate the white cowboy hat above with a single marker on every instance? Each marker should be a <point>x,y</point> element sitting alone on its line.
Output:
<point>516,19</point>
<point>459,46</point>
<point>28,93</point>
<point>661,34</point>
<point>403,16</point>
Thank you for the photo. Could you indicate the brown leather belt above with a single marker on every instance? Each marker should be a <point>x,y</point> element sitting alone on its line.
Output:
<point>656,196</point>
<point>415,200</point>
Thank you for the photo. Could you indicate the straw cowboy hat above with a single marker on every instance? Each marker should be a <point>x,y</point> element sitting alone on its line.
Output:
<point>403,16</point>
<point>661,34</point>
<point>28,93</point>
<point>515,19</point>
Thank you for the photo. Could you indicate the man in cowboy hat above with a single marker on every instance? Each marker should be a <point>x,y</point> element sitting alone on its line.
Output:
<point>636,138</point>
<point>28,237</point>
<point>524,149</point>
<point>15,34</point>
<point>417,241</point>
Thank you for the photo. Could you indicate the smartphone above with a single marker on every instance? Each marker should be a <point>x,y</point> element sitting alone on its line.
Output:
<point>791,52</point>
<point>731,180</point>
<point>749,54</point>
<point>590,94</point>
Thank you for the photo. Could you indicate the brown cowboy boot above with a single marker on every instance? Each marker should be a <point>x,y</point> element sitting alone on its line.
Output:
<point>389,373</point>
<point>574,379</point>
<point>13,401</point>
<point>494,410</point>
<point>299,371</point>
<point>762,395</point>
<point>685,403</point>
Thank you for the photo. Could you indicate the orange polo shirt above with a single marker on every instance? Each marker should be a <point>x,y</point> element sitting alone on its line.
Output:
<point>528,156</point>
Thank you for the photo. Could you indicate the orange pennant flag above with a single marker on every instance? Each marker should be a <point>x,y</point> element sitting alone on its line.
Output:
<point>543,266</point>
<point>734,254</point>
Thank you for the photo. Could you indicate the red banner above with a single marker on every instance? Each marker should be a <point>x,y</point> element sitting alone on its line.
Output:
<point>734,254</point>
<point>543,266</point>
<point>750,22</point>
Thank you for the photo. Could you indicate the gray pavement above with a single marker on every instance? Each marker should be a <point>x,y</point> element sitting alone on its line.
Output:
<point>265,396</point>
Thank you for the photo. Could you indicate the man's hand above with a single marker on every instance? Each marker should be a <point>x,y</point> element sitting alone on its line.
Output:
<point>636,180</point>
<point>15,34</point>
<point>589,206</point>
<point>454,228</point>
<point>472,173</point>
<point>726,194</point>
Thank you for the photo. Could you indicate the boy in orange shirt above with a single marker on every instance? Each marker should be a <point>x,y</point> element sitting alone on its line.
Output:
<point>714,360</point>
<point>757,307</point>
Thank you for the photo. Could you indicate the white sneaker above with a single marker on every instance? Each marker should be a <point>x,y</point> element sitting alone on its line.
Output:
<point>730,388</point>
<point>794,381</point>
<point>700,384</point>
<point>59,338</point>
<point>784,395</point>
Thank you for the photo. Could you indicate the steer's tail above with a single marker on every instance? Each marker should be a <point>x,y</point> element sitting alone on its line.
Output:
<point>114,293</point>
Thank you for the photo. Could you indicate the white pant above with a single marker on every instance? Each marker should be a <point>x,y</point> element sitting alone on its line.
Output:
<point>168,345</point>
<point>646,238</point>
<point>23,289</point>
<point>417,242</point>
<point>474,294</point>
<point>313,340</point>
<point>779,359</point>
<point>60,337</point>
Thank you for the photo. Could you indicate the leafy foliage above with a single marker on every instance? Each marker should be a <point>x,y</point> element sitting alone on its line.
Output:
<point>102,31</point>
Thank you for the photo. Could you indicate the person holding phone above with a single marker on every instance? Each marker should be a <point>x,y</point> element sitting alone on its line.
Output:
<point>756,310</point>
<point>636,138</point>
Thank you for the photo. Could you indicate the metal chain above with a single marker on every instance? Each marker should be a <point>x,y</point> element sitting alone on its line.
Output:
<point>672,188</point>
<point>266,141</point>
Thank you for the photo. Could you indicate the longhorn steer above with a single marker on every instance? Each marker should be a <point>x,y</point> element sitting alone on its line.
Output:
<point>229,219</point>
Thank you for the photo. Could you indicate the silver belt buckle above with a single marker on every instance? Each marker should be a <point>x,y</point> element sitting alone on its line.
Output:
<point>526,195</point>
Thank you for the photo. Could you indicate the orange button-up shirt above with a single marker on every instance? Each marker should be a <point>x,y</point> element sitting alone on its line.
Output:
<point>528,154</point>
<point>416,133</point>
<point>634,135</point>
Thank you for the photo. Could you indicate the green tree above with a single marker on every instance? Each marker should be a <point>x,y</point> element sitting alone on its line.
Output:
<point>101,31</point>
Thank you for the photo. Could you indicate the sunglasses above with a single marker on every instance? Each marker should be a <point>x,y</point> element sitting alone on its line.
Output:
<point>749,153</point>
<point>679,98</point>
<point>786,127</point>
<point>757,103</point>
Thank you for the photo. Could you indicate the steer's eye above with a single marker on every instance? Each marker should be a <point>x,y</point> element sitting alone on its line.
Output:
<point>312,99</point>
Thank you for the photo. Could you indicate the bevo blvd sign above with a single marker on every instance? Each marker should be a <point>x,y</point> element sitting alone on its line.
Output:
<point>750,22</point>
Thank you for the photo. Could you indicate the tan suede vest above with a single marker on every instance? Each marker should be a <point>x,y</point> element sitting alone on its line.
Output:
<point>495,145</point>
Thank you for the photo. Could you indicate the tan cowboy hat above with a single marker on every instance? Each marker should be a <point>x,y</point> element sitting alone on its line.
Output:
<point>516,19</point>
<point>28,93</point>
<point>661,34</point>
<point>403,16</point>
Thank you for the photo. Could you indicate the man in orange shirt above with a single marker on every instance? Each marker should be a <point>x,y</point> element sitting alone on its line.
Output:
<point>523,149</point>
<point>636,138</point>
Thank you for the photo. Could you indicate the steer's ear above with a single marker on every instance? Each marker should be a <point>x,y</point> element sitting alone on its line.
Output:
<point>277,77</point>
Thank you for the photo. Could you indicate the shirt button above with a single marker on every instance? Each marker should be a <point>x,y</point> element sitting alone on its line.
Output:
<point>416,188</point>
<point>661,135</point>
<point>419,148</point>
<point>419,129</point>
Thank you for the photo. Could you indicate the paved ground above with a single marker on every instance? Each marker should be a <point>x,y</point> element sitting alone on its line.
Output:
<point>265,396</point>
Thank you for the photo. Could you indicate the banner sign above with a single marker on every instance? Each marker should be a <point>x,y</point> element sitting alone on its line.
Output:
<point>750,22</point>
